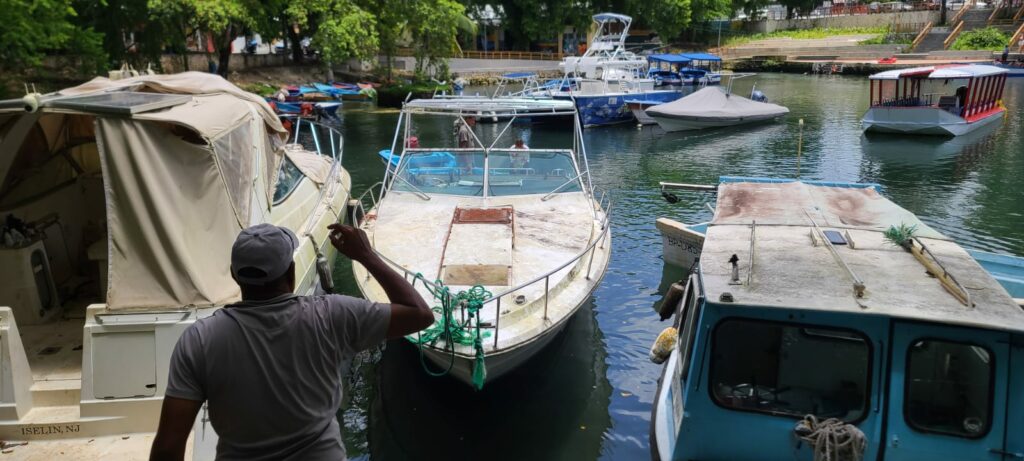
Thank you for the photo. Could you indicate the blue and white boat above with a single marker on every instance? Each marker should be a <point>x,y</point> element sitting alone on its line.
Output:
<point>606,75</point>
<point>685,69</point>
<point>823,321</point>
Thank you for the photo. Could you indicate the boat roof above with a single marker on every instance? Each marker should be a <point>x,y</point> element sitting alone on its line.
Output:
<point>674,58</point>
<point>768,224</point>
<point>476,106</point>
<point>518,75</point>
<point>612,17</point>
<point>941,72</point>
<point>702,56</point>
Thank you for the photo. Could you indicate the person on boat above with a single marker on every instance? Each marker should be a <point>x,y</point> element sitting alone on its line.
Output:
<point>1006,54</point>
<point>464,136</point>
<point>519,159</point>
<point>270,367</point>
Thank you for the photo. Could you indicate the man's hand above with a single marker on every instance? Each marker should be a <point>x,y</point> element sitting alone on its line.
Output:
<point>409,312</point>
<point>351,242</point>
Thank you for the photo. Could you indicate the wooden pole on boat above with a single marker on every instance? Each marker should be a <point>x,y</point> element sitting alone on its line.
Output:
<point>799,147</point>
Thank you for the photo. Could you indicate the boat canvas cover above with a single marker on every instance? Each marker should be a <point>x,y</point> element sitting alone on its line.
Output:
<point>179,183</point>
<point>672,58</point>
<point>713,103</point>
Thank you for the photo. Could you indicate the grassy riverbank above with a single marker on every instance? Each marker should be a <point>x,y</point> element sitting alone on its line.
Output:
<point>805,34</point>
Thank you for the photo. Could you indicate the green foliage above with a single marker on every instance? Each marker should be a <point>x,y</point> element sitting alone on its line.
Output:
<point>434,26</point>
<point>804,34</point>
<point>988,38</point>
<point>889,38</point>
<point>33,28</point>
<point>340,29</point>
<point>900,235</point>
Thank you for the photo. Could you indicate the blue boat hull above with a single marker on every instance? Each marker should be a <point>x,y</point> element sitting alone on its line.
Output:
<point>611,109</point>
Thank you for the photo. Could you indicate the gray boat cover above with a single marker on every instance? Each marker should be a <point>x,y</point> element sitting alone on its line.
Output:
<point>712,103</point>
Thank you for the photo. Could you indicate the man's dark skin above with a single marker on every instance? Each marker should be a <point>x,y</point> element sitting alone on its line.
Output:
<point>409,314</point>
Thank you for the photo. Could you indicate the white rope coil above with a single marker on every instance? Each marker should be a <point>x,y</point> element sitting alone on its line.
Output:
<point>832,439</point>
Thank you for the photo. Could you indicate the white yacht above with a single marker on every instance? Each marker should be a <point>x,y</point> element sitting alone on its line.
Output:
<point>508,242</point>
<point>123,199</point>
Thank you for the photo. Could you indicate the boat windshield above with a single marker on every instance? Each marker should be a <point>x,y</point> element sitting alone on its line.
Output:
<point>509,172</point>
<point>789,369</point>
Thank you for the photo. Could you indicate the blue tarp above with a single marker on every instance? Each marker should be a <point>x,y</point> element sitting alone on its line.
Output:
<point>519,75</point>
<point>673,58</point>
<point>702,56</point>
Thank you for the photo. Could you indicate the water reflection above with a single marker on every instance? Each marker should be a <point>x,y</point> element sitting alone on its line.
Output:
<point>553,407</point>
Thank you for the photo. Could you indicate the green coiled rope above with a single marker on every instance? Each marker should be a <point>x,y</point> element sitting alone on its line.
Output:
<point>451,330</point>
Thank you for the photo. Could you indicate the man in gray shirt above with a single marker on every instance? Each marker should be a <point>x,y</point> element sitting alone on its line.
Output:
<point>270,366</point>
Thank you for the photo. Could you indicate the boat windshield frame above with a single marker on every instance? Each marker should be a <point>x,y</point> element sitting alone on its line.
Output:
<point>513,109</point>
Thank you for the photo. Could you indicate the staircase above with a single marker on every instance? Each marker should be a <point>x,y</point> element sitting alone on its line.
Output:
<point>932,41</point>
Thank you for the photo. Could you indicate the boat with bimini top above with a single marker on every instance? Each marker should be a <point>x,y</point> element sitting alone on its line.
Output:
<point>507,242</point>
<point>945,100</point>
<point>600,81</point>
<point>123,201</point>
<point>831,323</point>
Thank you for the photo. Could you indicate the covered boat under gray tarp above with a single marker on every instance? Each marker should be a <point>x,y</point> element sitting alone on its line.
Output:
<point>710,108</point>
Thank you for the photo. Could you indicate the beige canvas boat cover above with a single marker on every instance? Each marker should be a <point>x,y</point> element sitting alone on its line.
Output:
<point>169,222</point>
<point>198,83</point>
<point>314,166</point>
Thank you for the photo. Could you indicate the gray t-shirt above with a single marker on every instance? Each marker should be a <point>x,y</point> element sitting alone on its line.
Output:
<point>271,372</point>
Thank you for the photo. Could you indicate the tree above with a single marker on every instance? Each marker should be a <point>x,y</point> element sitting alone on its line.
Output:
<point>339,29</point>
<point>222,19</point>
<point>129,34</point>
<point>33,28</point>
<point>434,26</point>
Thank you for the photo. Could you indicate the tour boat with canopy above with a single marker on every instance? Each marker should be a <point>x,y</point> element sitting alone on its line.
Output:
<point>831,323</point>
<point>508,243</point>
<point>123,200</point>
<point>947,100</point>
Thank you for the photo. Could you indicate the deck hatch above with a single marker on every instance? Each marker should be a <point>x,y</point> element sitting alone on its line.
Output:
<point>501,215</point>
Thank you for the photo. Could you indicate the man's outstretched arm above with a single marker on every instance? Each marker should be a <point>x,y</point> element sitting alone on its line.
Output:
<point>176,419</point>
<point>409,312</point>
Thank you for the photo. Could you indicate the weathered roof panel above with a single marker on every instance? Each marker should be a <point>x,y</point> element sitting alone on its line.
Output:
<point>789,269</point>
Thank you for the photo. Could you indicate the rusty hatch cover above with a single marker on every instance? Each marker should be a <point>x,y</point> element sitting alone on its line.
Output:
<point>502,215</point>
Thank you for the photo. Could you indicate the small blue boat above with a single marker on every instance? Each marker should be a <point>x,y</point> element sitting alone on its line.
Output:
<point>823,321</point>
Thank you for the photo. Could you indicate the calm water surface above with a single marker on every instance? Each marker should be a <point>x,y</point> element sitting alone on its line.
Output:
<point>589,395</point>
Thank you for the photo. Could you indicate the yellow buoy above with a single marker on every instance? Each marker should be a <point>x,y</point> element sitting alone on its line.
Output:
<point>663,346</point>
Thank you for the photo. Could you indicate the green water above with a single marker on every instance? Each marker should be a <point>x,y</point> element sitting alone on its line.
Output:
<point>589,395</point>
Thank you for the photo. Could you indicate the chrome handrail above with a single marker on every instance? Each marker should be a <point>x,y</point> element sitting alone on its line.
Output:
<point>337,150</point>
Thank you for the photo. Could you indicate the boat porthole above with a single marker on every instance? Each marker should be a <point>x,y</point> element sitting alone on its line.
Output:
<point>520,299</point>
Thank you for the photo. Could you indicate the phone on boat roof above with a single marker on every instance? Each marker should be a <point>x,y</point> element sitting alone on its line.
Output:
<point>835,237</point>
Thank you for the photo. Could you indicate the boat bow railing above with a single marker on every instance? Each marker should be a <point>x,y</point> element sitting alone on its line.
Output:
<point>597,242</point>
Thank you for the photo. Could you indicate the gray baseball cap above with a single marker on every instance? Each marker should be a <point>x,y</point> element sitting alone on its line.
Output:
<point>262,253</point>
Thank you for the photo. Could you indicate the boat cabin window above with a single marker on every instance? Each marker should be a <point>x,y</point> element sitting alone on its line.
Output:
<point>509,172</point>
<point>949,388</point>
<point>288,179</point>
<point>789,369</point>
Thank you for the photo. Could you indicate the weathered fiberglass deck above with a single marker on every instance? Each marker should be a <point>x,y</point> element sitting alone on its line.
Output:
<point>423,236</point>
<point>788,268</point>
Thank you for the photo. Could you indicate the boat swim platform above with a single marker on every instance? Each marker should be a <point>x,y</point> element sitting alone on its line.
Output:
<point>784,261</point>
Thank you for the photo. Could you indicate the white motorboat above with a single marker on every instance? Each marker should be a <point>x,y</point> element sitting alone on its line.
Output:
<point>521,231</point>
<point>713,107</point>
<point>944,100</point>
<point>128,196</point>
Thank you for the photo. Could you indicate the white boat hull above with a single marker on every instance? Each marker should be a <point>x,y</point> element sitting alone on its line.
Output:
<point>681,245</point>
<point>700,123</point>
<point>923,121</point>
<point>641,114</point>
